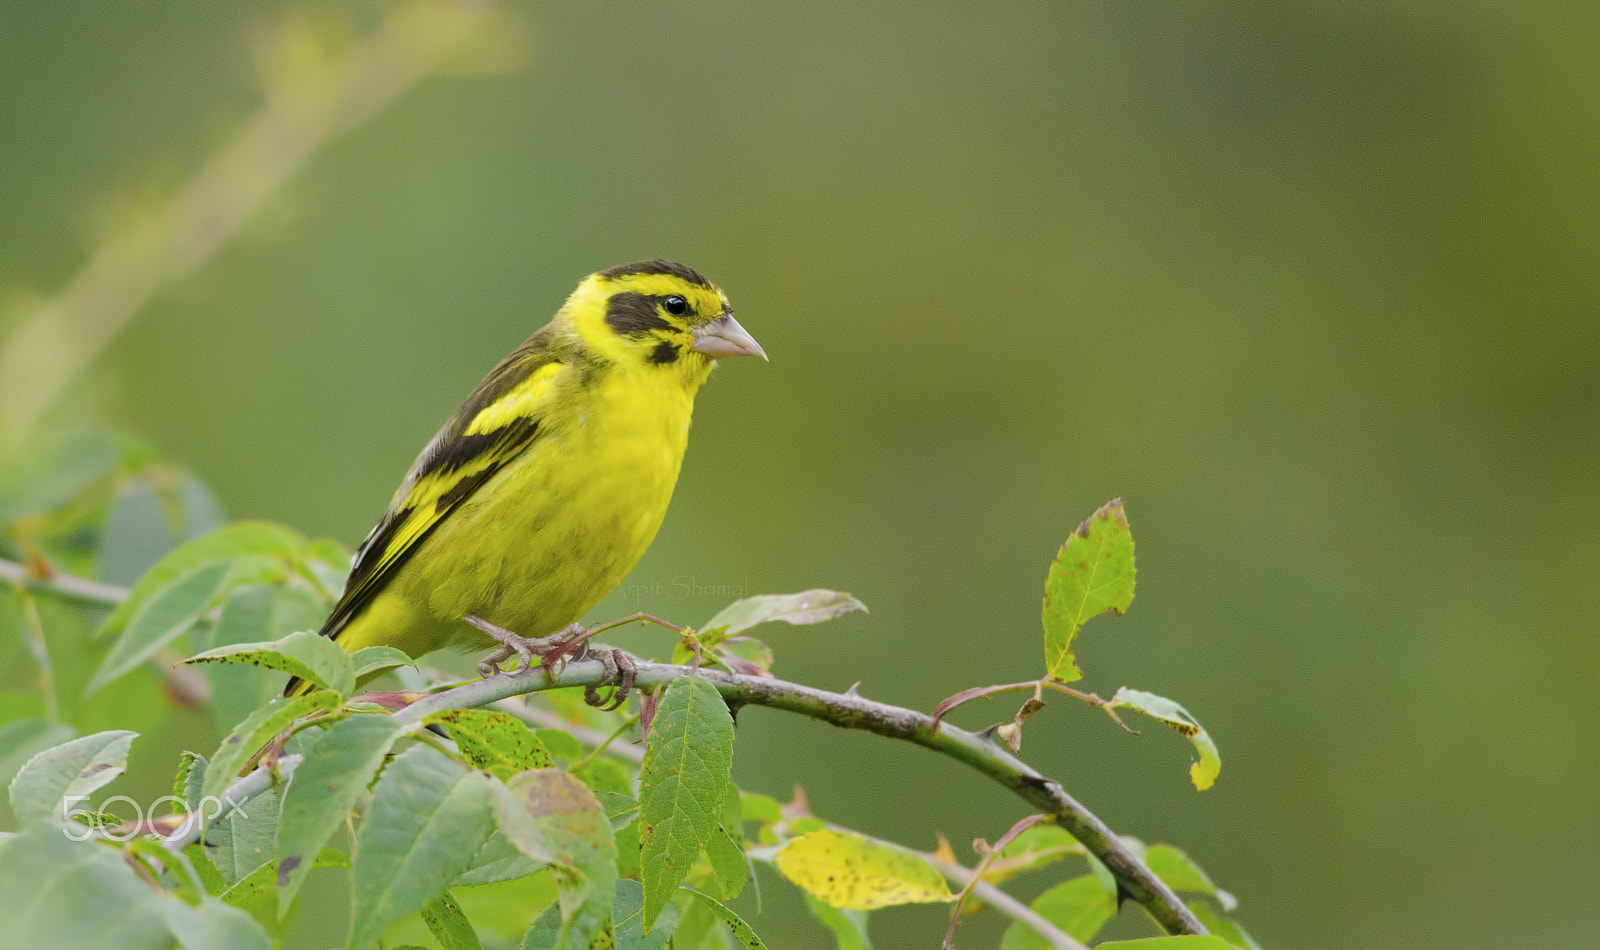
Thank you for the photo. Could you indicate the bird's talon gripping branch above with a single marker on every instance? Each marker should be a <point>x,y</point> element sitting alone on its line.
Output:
<point>621,671</point>
<point>527,648</point>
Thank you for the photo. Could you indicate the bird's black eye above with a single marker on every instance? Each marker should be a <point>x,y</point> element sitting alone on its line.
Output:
<point>676,305</point>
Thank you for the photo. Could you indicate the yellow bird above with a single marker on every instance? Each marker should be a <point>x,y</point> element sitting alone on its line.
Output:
<point>545,488</point>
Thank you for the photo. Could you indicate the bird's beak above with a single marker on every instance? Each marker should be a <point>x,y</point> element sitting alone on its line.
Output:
<point>724,337</point>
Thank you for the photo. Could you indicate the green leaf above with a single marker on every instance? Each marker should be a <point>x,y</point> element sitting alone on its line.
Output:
<point>627,914</point>
<point>324,789</point>
<point>242,837</point>
<point>209,876</point>
<point>60,893</point>
<point>1204,772</point>
<point>165,616</point>
<point>22,739</point>
<point>225,928</point>
<point>1093,572</point>
<point>427,820</point>
<point>264,879</point>
<point>136,536</point>
<point>741,931</point>
<point>253,614</point>
<point>627,911</point>
<point>728,863</point>
<point>449,925</point>
<point>1080,907</point>
<point>621,810</point>
<point>1178,871</point>
<point>187,786</point>
<point>494,741</point>
<point>253,733</point>
<point>560,744</point>
<point>314,658</point>
<point>762,808</point>
<point>202,512</point>
<point>60,779</point>
<point>553,817</point>
<point>681,784</point>
<point>370,661</point>
<point>854,872</point>
<point>745,654</point>
<point>498,860</point>
<point>849,926</point>
<point>1224,927</point>
<point>1167,943</point>
<point>236,540</point>
<point>178,875</point>
<point>811,606</point>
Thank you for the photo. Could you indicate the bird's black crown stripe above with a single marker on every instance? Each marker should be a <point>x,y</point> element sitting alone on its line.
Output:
<point>657,267</point>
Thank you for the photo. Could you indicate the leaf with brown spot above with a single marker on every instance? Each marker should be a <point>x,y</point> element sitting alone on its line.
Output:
<point>854,872</point>
<point>494,741</point>
<point>1092,573</point>
<point>1203,772</point>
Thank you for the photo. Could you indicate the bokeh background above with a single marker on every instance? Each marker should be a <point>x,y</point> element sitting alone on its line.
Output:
<point>1313,287</point>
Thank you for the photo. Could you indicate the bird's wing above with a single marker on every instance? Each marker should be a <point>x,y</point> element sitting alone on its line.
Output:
<point>496,424</point>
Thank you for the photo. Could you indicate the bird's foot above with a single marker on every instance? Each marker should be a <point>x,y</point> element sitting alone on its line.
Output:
<point>620,671</point>
<point>527,648</point>
<point>570,643</point>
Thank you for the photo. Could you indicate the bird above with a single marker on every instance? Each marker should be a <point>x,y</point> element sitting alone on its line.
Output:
<point>547,485</point>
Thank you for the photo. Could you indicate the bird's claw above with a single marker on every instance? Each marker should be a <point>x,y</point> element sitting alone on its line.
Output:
<point>620,670</point>
<point>554,651</point>
<point>512,644</point>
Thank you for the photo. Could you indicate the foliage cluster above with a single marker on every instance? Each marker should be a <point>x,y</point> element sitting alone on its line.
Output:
<point>538,821</point>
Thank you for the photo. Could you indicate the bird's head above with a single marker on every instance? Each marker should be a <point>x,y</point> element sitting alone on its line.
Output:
<point>658,315</point>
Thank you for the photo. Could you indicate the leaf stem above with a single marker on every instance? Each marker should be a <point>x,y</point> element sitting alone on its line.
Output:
<point>40,650</point>
<point>605,743</point>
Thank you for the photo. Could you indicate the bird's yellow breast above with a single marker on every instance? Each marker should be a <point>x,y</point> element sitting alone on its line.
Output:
<point>555,530</point>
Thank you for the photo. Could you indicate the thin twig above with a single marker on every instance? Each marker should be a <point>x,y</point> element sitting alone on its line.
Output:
<point>989,854</point>
<point>40,651</point>
<point>77,588</point>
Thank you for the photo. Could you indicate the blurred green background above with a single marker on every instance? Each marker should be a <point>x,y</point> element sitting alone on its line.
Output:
<point>1313,287</point>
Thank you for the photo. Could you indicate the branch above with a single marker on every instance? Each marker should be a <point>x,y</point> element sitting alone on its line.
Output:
<point>77,588</point>
<point>854,712</point>
<point>845,710</point>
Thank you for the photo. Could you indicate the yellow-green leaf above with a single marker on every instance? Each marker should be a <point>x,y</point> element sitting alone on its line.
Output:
<point>806,607</point>
<point>494,741</point>
<point>1204,772</point>
<point>855,872</point>
<point>303,654</point>
<point>1093,572</point>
